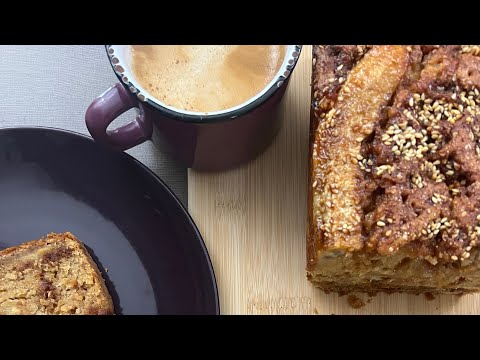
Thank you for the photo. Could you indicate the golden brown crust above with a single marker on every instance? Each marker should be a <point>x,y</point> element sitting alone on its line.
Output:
<point>395,168</point>
<point>53,275</point>
<point>335,212</point>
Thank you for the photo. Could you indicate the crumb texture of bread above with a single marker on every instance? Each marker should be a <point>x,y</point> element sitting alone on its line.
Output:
<point>52,276</point>
<point>394,184</point>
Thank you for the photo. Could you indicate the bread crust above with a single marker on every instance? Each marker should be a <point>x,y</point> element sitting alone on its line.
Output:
<point>394,169</point>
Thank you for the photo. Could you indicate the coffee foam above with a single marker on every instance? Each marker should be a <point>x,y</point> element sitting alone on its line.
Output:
<point>205,78</point>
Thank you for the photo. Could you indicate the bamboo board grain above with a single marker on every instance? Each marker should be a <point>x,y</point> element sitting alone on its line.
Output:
<point>253,220</point>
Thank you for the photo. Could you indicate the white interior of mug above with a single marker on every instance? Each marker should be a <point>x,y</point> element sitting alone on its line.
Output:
<point>121,58</point>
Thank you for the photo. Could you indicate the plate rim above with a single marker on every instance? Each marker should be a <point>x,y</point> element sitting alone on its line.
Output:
<point>151,173</point>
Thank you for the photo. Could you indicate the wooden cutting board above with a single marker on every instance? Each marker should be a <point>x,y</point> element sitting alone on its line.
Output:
<point>253,220</point>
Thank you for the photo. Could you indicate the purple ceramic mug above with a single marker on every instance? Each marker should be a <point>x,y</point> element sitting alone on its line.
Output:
<point>202,141</point>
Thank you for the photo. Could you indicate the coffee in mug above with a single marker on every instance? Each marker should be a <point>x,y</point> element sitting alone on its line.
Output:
<point>212,107</point>
<point>205,78</point>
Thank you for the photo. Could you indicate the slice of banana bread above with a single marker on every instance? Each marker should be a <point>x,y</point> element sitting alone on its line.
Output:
<point>54,275</point>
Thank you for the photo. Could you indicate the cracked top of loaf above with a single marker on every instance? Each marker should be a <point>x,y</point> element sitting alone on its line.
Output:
<point>395,151</point>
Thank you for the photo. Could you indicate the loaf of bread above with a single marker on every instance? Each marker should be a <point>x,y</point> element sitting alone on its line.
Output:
<point>54,275</point>
<point>394,184</point>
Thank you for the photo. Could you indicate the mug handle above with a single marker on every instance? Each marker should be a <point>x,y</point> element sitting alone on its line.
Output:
<point>106,108</point>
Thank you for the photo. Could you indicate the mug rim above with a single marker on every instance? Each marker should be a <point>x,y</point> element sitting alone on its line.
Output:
<point>280,80</point>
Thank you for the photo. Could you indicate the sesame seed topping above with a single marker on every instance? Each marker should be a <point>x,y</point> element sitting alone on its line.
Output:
<point>471,49</point>
<point>411,150</point>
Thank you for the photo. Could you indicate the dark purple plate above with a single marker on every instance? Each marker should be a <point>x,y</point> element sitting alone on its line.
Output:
<point>132,224</point>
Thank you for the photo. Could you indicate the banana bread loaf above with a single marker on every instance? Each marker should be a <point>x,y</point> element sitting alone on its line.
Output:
<point>394,185</point>
<point>54,275</point>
